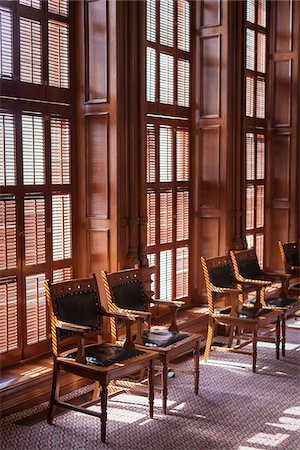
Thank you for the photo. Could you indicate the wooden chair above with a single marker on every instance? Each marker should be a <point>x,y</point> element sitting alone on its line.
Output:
<point>125,290</point>
<point>220,282</point>
<point>290,256</point>
<point>75,314</point>
<point>248,271</point>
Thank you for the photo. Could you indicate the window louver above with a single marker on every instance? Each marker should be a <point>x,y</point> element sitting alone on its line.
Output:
<point>166,217</point>
<point>250,241</point>
<point>182,155</point>
<point>250,49</point>
<point>250,11</point>
<point>151,74</point>
<point>259,245</point>
<point>30,51</point>
<point>7,150</point>
<point>166,277</point>
<point>60,7</point>
<point>151,214</point>
<point>151,20</point>
<point>182,272</point>
<point>250,156</point>
<point>63,274</point>
<point>260,206</point>
<point>182,222</point>
<point>31,3</point>
<point>261,52</point>
<point>165,154</point>
<point>261,13</point>
<point>260,170</point>
<point>61,227</point>
<point>8,233</point>
<point>8,315</point>
<point>34,227</point>
<point>6,60</point>
<point>58,33</point>
<point>166,78</point>
<point>151,160</point>
<point>167,22</point>
<point>183,85</point>
<point>33,149</point>
<point>260,98</point>
<point>60,150</point>
<point>35,308</point>
<point>249,96</point>
<point>183,33</point>
<point>250,207</point>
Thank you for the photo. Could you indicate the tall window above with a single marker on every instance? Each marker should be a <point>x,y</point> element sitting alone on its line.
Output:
<point>35,169</point>
<point>168,144</point>
<point>255,122</point>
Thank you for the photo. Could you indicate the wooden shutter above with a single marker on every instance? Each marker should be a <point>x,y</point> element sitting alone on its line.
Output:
<point>6,43</point>
<point>60,150</point>
<point>63,274</point>
<point>8,235</point>
<point>166,217</point>
<point>8,315</point>
<point>166,274</point>
<point>61,227</point>
<point>33,149</point>
<point>30,51</point>
<point>60,7</point>
<point>182,272</point>
<point>36,325</point>
<point>7,150</point>
<point>58,35</point>
<point>34,230</point>
<point>31,3</point>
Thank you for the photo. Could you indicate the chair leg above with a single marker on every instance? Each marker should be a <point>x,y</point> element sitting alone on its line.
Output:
<point>210,335</point>
<point>283,334</point>
<point>254,350</point>
<point>231,334</point>
<point>238,339</point>
<point>96,391</point>
<point>196,366</point>
<point>54,392</point>
<point>151,388</point>
<point>165,386</point>
<point>278,337</point>
<point>103,410</point>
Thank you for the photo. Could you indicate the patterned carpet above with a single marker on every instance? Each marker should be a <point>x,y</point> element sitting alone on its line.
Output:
<point>235,409</point>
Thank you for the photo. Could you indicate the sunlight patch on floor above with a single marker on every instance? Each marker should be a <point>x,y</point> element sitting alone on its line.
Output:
<point>295,410</point>
<point>272,440</point>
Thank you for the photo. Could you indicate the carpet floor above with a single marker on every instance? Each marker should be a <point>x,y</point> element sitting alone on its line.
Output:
<point>235,409</point>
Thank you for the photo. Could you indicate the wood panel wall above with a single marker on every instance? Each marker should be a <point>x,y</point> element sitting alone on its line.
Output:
<point>282,221</point>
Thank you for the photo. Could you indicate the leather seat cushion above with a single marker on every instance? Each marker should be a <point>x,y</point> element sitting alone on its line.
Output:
<point>248,313</point>
<point>130,296</point>
<point>279,301</point>
<point>163,338</point>
<point>106,355</point>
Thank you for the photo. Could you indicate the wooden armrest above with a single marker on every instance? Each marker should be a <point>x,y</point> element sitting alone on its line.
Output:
<point>120,315</point>
<point>274,275</point>
<point>68,326</point>
<point>171,303</point>
<point>224,290</point>
<point>254,283</point>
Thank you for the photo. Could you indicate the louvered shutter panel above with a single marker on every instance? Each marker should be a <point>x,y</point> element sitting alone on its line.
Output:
<point>250,241</point>
<point>8,233</point>
<point>165,153</point>
<point>33,148</point>
<point>183,83</point>
<point>60,150</point>
<point>182,155</point>
<point>182,272</point>
<point>182,222</point>
<point>260,98</point>
<point>249,207</point>
<point>151,214</point>
<point>60,7</point>
<point>8,315</point>
<point>6,43</point>
<point>259,245</point>
<point>250,156</point>
<point>63,274</point>
<point>261,13</point>
<point>151,20</point>
<point>35,308</point>
<point>260,201</point>
<point>260,158</point>
<point>151,75</point>
<point>249,96</point>
<point>166,22</point>
<point>166,78</point>
<point>58,35</point>
<point>7,150</point>
<point>31,3</point>
<point>166,217</point>
<point>30,51</point>
<point>34,230</point>
<point>61,227</point>
<point>250,11</point>
<point>151,160</point>
<point>183,24</point>
<point>250,49</point>
<point>166,274</point>
<point>261,52</point>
